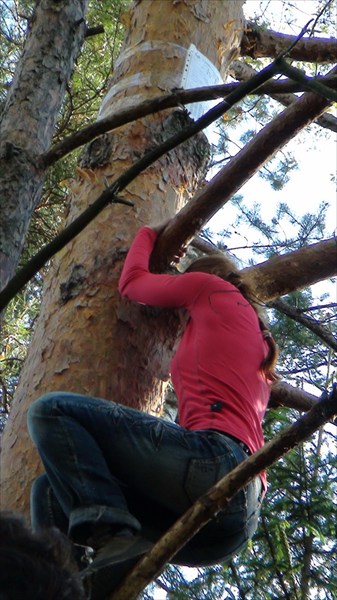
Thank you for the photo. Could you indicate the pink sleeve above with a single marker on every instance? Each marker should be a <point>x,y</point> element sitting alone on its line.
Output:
<point>139,285</point>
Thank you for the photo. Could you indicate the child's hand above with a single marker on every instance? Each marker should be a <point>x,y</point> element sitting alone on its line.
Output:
<point>159,229</point>
<point>180,254</point>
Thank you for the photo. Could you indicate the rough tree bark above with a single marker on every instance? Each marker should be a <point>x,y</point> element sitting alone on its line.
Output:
<point>229,180</point>
<point>85,340</point>
<point>54,40</point>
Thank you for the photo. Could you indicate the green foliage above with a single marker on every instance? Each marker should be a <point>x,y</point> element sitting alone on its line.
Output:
<point>278,172</point>
<point>94,66</point>
<point>13,27</point>
<point>284,231</point>
<point>303,358</point>
<point>16,335</point>
<point>240,127</point>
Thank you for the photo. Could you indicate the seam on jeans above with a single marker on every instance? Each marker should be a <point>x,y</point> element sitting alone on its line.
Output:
<point>69,440</point>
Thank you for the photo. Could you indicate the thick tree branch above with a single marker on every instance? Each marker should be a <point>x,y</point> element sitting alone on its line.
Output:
<point>308,322</point>
<point>92,31</point>
<point>284,394</point>
<point>258,43</point>
<point>204,246</point>
<point>218,497</point>
<point>177,98</point>
<point>242,71</point>
<point>293,271</point>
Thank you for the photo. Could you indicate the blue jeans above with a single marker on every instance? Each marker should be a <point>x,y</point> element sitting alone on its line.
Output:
<point>109,464</point>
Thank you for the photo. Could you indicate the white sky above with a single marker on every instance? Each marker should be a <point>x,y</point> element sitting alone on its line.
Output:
<point>277,10</point>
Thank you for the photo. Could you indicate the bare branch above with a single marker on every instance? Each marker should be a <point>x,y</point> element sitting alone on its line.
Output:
<point>177,98</point>
<point>239,170</point>
<point>318,16</point>
<point>242,71</point>
<point>204,246</point>
<point>218,497</point>
<point>206,203</point>
<point>314,86</point>
<point>284,394</point>
<point>91,31</point>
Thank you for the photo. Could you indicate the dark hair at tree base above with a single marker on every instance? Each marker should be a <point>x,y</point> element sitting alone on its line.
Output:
<point>35,566</point>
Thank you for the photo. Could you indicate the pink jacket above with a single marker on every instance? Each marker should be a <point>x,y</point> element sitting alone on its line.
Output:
<point>216,368</point>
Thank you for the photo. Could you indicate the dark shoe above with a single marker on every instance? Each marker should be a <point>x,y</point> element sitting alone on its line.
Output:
<point>112,563</point>
<point>119,549</point>
<point>98,585</point>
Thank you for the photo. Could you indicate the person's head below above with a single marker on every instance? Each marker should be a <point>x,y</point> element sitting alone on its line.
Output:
<point>35,566</point>
<point>224,267</point>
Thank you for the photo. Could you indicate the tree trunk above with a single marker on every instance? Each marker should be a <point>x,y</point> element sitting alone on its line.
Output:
<point>29,117</point>
<point>86,340</point>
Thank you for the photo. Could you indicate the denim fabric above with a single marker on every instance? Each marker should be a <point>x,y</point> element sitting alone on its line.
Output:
<point>107,463</point>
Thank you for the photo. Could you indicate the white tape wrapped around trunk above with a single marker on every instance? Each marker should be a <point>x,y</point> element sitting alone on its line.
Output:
<point>191,69</point>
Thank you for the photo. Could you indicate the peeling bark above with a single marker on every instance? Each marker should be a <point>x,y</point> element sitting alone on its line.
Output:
<point>258,43</point>
<point>86,340</point>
